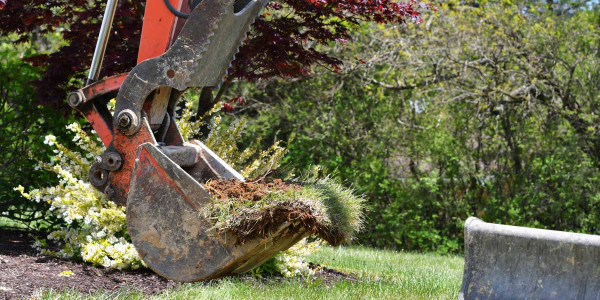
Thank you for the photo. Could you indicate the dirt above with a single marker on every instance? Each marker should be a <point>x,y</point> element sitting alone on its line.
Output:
<point>259,224</point>
<point>23,273</point>
<point>330,276</point>
<point>244,191</point>
<point>299,216</point>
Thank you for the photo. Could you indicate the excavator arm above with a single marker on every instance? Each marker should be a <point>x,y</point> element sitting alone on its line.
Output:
<point>147,166</point>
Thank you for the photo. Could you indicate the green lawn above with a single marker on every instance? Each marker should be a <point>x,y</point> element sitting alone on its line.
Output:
<point>381,275</point>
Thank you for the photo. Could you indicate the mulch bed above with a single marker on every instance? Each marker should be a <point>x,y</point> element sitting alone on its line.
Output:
<point>23,272</point>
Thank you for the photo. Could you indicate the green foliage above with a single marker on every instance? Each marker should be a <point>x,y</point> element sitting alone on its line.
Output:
<point>23,125</point>
<point>253,162</point>
<point>487,110</point>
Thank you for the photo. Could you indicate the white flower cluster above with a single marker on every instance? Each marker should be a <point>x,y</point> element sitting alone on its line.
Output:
<point>96,229</point>
<point>292,262</point>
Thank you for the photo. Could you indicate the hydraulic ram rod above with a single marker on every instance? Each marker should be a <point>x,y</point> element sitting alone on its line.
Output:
<point>107,20</point>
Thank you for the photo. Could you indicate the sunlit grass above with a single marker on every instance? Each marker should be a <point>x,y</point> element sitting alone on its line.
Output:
<point>380,274</point>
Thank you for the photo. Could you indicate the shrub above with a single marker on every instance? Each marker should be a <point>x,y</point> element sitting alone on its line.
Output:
<point>95,227</point>
<point>23,124</point>
<point>291,262</point>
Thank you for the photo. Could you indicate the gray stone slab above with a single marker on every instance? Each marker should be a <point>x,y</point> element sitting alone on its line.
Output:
<point>510,262</point>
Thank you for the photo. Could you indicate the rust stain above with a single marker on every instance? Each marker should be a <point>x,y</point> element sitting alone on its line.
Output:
<point>127,147</point>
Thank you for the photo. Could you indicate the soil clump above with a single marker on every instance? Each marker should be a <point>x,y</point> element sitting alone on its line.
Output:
<point>243,191</point>
<point>251,223</point>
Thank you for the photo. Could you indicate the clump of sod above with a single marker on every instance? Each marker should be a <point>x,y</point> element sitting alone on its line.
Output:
<point>321,207</point>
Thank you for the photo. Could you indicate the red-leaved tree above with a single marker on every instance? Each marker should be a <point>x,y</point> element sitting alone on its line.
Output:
<point>281,44</point>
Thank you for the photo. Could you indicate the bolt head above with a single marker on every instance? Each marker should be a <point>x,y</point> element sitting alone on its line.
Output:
<point>127,122</point>
<point>124,120</point>
<point>98,159</point>
<point>75,99</point>
<point>113,161</point>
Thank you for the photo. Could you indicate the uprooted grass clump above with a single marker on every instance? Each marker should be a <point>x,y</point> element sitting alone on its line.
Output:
<point>251,209</point>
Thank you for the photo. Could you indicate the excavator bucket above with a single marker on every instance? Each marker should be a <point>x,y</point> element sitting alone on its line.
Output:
<point>165,222</point>
<point>147,165</point>
<point>510,262</point>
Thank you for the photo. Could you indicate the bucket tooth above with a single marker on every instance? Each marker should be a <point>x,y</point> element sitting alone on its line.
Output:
<point>166,225</point>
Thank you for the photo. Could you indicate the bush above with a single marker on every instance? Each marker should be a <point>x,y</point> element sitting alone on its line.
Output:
<point>23,125</point>
<point>94,229</point>
<point>291,262</point>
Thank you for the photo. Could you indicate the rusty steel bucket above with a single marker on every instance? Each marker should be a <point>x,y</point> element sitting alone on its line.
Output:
<point>165,222</point>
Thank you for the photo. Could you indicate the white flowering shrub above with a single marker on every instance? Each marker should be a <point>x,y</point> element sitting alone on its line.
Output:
<point>292,262</point>
<point>95,228</point>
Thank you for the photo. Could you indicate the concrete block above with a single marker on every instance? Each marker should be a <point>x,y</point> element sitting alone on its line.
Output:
<point>510,262</point>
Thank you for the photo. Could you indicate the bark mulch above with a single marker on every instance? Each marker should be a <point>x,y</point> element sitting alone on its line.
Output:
<point>23,272</point>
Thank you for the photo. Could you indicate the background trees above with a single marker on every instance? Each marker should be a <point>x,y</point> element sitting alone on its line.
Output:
<point>484,109</point>
<point>282,43</point>
<point>487,110</point>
